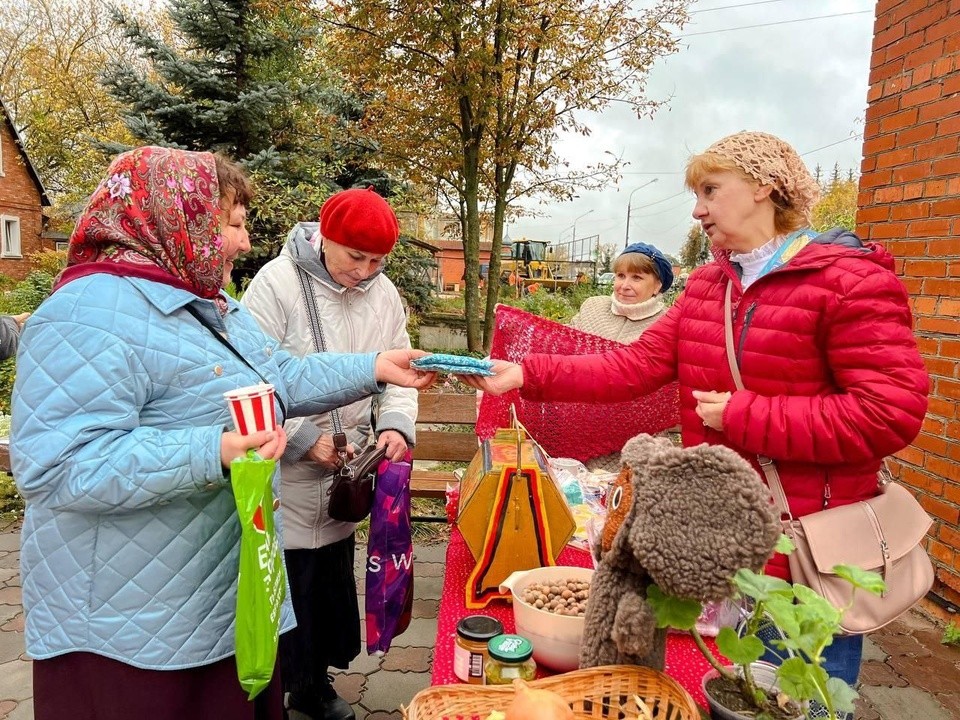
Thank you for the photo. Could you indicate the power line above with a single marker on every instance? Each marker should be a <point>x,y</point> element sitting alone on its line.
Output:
<point>657,202</point>
<point>770,24</point>
<point>858,136</point>
<point>731,7</point>
<point>685,203</point>
<point>846,139</point>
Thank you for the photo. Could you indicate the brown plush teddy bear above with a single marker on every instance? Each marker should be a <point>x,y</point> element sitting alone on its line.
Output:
<point>683,519</point>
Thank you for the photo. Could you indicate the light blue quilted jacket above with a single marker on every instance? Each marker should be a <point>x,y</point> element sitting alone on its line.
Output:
<point>130,541</point>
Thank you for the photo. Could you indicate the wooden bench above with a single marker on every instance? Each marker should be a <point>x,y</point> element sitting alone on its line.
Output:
<point>433,444</point>
<point>442,444</point>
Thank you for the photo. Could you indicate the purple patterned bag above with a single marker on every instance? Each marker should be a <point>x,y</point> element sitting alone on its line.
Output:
<point>389,590</point>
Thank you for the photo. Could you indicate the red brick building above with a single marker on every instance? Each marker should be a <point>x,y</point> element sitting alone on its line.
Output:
<point>22,199</point>
<point>441,234</point>
<point>452,265</point>
<point>910,201</point>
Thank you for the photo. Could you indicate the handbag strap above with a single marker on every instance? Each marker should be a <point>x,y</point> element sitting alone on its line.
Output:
<point>310,300</point>
<point>226,343</point>
<point>768,466</point>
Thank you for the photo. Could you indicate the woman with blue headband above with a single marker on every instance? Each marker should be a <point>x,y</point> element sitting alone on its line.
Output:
<point>641,275</point>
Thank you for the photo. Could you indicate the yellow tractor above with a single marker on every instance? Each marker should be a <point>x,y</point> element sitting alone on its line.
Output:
<point>527,263</point>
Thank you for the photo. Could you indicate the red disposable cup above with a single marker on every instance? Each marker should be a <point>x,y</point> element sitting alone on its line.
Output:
<point>252,408</point>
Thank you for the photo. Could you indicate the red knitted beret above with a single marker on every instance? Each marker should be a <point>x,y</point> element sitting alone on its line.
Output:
<point>360,219</point>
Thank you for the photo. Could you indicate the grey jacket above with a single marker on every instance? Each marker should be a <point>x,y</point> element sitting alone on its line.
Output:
<point>366,318</point>
<point>9,337</point>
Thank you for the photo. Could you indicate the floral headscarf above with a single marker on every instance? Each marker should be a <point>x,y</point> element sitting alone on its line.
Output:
<point>156,216</point>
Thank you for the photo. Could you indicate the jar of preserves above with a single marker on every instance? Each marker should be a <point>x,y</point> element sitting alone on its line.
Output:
<point>470,650</point>
<point>511,657</point>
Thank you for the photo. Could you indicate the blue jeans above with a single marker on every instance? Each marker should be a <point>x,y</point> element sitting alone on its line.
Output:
<point>841,658</point>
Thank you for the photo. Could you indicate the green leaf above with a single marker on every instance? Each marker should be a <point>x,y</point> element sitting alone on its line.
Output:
<point>860,578</point>
<point>951,634</point>
<point>673,612</point>
<point>784,613</point>
<point>817,608</point>
<point>841,694</point>
<point>799,679</point>
<point>784,545</point>
<point>760,587</point>
<point>740,651</point>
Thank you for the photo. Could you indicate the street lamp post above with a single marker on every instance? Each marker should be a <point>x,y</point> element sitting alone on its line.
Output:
<point>626,238</point>
<point>574,226</point>
<point>575,223</point>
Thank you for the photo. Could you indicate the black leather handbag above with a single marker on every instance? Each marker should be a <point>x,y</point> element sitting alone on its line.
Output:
<point>351,495</point>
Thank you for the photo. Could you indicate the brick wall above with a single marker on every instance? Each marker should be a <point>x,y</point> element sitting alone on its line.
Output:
<point>910,201</point>
<point>19,197</point>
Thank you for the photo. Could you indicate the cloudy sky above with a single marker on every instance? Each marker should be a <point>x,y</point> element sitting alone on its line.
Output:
<point>803,81</point>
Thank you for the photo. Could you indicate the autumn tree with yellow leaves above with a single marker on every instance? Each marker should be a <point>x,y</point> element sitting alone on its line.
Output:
<point>837,206</point>
<point>469,97</point>
<point>51,56</point>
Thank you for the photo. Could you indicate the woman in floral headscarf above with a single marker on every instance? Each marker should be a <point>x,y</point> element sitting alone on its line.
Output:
<point>121,444</point>
<point>821,332</point>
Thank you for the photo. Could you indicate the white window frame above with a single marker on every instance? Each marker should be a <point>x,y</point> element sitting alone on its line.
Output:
<point>7,221</point>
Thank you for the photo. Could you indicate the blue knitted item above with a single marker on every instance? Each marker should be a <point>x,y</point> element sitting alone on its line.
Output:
<point>458,364</point>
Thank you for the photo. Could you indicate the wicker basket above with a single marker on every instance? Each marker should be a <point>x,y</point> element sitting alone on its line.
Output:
<point>601,692</point>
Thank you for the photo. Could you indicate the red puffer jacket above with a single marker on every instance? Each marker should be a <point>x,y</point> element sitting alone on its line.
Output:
<point>834,381</point>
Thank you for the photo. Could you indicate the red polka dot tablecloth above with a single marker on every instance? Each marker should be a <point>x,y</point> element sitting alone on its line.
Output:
<point>684,661</point>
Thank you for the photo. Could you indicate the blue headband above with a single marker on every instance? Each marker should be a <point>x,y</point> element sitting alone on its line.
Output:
<point>664,268</point>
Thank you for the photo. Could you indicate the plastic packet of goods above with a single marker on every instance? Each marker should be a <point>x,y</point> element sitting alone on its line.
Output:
<point>595,486</point>
<point>261,583</point>
<point>582,515</point>
<point>717,615</point>
<point>594,529</point>
<point>566,472</point>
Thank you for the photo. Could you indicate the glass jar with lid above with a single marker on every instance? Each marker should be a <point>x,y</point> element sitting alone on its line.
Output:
<point>470,650</point>
<point>510,657</point>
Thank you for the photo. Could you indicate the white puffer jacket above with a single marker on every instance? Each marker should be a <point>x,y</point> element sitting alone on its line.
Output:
<point>366,318</point>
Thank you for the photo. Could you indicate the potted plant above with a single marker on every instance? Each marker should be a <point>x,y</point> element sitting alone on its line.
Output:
<point>806,621</point>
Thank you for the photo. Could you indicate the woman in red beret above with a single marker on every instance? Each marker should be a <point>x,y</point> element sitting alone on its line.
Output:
<point>338,264</point>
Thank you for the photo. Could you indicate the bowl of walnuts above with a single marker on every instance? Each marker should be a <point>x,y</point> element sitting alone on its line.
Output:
<point>549,604</point>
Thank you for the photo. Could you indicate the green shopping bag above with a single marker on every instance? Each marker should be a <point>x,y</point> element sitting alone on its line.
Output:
<point>261,584</point>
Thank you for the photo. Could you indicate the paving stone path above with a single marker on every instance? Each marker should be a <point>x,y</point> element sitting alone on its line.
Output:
<point>907,674</point>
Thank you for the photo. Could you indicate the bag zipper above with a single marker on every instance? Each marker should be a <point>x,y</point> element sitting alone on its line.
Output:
<point>884,548</point>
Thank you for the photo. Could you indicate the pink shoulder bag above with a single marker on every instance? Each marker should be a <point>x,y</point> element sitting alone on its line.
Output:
<point>883,534</point>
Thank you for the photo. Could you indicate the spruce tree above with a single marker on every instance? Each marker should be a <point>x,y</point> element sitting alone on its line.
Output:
<point>242,78</point>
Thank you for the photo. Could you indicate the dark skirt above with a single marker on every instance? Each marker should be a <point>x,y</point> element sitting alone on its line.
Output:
<point>324,594</point>
<point>84,686</point>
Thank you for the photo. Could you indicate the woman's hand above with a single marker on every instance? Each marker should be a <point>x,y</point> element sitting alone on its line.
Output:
<point>324,452</point>
<point>507,376</point>
<point>393,366</point>
<point>710,407</point>
<point>395,443</point>
<point>270,445</point>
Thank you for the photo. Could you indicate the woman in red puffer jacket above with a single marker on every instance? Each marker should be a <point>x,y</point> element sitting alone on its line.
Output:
<point>821,331</point>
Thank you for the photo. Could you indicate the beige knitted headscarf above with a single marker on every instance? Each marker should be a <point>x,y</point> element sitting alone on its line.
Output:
<point>771,161</point>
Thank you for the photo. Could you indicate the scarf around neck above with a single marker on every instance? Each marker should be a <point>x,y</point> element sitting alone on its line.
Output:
<point>637,311</point>
<point>156,215</point>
